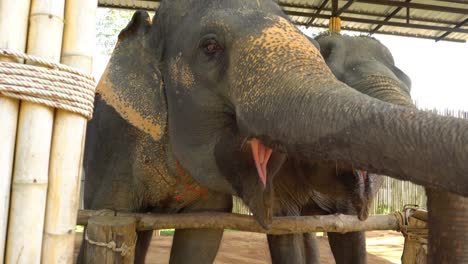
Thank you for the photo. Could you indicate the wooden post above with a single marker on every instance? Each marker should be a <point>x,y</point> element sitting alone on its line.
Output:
<point>13,31</point>
<point>68,140</point>
<point>110,239</point>
<point>415,248</point>
<point>30,176</point>
<point>335,24</point>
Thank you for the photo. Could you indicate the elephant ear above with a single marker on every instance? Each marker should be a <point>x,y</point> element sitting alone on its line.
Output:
<point>132,83</point>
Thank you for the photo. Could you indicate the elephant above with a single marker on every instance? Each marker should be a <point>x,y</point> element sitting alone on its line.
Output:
<point>215,98</point>
<point>366,65</point>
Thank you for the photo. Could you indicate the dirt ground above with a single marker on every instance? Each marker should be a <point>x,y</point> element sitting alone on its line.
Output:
<point>383,247</point>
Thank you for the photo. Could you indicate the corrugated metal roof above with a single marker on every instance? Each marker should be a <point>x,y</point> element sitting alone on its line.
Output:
<point>432,19</point>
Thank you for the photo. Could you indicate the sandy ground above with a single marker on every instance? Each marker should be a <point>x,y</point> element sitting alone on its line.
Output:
<point>384,247</point>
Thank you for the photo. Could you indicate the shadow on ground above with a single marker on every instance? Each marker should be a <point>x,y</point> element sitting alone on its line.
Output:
<point>384,247</point>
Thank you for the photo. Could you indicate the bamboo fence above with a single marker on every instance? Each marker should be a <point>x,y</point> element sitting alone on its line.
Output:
<point>13,31</point>
<point>30,176</point>
<point>42,148</point>
<point>68,140</point>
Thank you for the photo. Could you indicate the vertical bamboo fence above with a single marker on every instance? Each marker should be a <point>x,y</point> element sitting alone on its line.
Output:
<point>68,140</point>
<point>30,176</point>
<point>40,161</point>
<point>13,31</point>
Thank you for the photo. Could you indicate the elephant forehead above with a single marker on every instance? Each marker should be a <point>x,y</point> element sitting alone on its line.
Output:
<point>283,36</point>
<point>180,72</point>
<point>278,47</point>
<point>278,53</point>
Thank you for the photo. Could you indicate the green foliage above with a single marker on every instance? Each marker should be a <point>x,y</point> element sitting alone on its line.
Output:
<point>109,22</point>
<point>166,232</point>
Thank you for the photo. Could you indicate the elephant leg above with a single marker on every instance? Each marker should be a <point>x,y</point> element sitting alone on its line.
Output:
<point>311,248</point>
<point>294,248</point>
<point>349,248</point>
<point>142,245</point>
<point>200,246</point>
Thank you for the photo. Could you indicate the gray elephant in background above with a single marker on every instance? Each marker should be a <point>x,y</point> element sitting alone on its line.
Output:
<point>368,66</point>
<point>218,98</point>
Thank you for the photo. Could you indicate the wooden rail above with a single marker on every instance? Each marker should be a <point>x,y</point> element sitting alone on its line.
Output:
<point>281,225</point>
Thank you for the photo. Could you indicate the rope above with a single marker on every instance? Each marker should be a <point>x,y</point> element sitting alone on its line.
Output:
<point>49,83</point>
<point>410,232</point>
<point>123,249</point>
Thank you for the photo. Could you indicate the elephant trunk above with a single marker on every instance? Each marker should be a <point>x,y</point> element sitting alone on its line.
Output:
<point>335,122</point>
<point>287,97</point>
<point>448,222</point>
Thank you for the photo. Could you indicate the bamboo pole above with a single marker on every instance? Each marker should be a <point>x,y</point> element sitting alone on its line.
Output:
<point>13,31</point>
<point>68,140</point>
<point>30,176</point>
<point>110,239</point>
<point>281,225</point>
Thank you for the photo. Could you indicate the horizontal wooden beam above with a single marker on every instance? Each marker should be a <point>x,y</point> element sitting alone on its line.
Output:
<point>281,225</point>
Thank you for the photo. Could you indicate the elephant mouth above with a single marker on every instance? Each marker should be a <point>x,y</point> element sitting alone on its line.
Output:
<point>261,155</point>
<point>362,194</point>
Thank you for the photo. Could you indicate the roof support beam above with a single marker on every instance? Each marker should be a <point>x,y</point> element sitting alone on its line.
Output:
<point>388,33</point>
<point>344,8</point>
<point>387,18</point>
<point>384,23</point>
<point>321,7</point>
<point>373,14</point>
<point>448,33</point>
<point>417,6</point>
<point>334,7</point>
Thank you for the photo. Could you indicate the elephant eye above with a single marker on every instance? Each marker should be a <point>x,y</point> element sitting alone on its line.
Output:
<point>211,46</point>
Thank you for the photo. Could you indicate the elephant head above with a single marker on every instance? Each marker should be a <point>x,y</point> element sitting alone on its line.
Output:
<point>366,65</point>
<point>237,87</point>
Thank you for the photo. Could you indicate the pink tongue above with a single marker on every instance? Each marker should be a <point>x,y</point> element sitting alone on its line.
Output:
<point>261,154</point>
